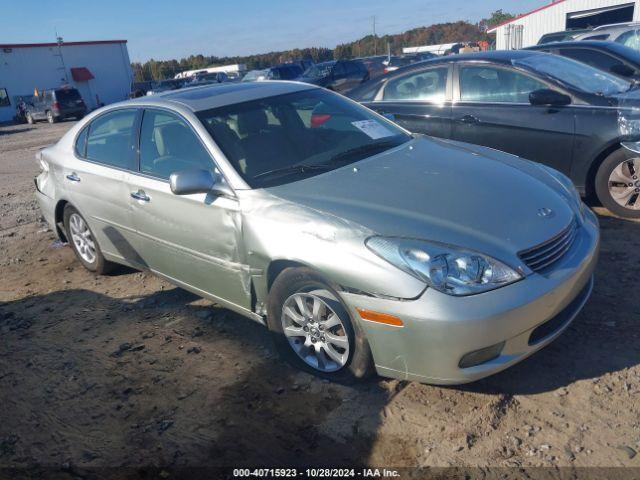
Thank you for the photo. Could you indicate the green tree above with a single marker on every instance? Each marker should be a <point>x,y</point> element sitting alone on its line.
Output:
<point>496,18</point>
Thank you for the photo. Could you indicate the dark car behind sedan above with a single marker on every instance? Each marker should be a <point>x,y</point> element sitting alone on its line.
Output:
<point>339,76</point>
<point>563,36</point>
<point>539,106</point>
<point>56,104</point>
<point>610,57</point>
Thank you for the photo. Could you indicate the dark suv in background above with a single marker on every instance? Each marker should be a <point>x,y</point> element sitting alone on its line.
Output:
<point>339,76</point>
<point>610,57</point>
<point>56,104</point>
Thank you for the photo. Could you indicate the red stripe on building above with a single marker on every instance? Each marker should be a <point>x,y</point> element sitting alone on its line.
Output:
<point>64,44</point>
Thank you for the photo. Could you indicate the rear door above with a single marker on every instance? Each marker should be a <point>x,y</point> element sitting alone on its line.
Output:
<point>96,180</point>
<point>419,100</point>
<point>492,108</point>
<point>192,239</point>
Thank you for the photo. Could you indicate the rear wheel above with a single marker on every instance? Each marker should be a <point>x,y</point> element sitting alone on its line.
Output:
<point>51,117</point>
<point>618,184</point>
<point>312,329</point>
<point>83,242</point>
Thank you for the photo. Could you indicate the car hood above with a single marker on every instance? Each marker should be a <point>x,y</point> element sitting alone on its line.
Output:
<point>443,191</point>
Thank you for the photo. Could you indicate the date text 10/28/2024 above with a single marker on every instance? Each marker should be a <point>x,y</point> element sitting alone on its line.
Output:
<point>315,473</point>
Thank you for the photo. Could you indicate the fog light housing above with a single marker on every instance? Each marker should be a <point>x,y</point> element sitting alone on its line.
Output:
<point>483,355</point>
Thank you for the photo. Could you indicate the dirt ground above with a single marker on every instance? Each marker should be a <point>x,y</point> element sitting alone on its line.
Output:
<point>128,370</point>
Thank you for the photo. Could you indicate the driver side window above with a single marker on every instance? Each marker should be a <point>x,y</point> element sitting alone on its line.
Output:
<point>496,85</point>
<point>167,145</point>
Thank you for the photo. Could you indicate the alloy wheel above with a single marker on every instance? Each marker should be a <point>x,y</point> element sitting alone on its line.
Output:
<point>82,239</point>
<point>624,184</point>
<point>315,331</point>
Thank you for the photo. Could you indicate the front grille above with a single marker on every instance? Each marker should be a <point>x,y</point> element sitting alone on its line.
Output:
<point>546,254</point>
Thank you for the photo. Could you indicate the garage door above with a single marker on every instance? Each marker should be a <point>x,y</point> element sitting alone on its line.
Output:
<point>601,16</point>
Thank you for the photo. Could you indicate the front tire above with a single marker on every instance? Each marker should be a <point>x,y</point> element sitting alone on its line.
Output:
<point>617,184</point>
<point>83,243</point>
<point>313,330</point>
<point>30,119</point>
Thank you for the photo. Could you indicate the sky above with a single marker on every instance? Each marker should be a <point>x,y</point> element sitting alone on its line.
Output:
<point>165,29</point>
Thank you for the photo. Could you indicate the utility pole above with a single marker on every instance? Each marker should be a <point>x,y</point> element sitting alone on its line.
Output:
<point>64,68</point>
<point>375,39</point>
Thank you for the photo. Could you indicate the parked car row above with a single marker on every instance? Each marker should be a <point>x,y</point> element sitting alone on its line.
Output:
<point>542,107</point>
<point>627,34</point>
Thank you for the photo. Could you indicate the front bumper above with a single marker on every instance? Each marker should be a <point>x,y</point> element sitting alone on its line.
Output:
<point>440,329</point>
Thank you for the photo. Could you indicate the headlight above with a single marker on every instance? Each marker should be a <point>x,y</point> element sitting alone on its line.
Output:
<point>447,269</point>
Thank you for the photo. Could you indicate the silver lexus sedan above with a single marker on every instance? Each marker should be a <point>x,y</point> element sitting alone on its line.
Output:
<point>361,247</point>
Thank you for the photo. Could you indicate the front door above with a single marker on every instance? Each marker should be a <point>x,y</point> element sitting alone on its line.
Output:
<point>192,239</point>
<point>419,101</point>
<point>494,110</point>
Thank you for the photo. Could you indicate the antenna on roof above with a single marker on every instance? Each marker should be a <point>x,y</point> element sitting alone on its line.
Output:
<point>59,41</point>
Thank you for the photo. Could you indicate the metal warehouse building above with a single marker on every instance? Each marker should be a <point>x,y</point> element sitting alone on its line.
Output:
<point>559,15</point>
<point>100,70</point>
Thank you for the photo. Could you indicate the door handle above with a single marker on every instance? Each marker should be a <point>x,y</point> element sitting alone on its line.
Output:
<point>140,195</point>
<point>73,177</point>
<point>469,120</point>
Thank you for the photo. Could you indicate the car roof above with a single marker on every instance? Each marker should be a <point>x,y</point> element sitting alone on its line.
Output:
<point>573,43</point>
<point>498,56</point>
<point>220,95</point>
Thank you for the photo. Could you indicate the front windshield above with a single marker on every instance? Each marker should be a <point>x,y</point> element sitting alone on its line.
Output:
<point>574,74</point>
<point>319,70</point>
<point>281,139</point>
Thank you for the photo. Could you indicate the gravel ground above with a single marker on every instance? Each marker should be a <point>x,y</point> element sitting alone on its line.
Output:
<point>129,370</point>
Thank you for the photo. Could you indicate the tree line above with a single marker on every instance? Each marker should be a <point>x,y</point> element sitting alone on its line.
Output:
<point>363,47</point>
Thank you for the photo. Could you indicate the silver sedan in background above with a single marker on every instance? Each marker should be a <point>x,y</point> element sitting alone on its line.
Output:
<point>361,247</point>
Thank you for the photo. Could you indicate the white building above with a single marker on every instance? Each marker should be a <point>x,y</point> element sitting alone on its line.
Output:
<point>236,68</point>
<point>559,15</point>
<point>100,70</point>
<point>439,49</point>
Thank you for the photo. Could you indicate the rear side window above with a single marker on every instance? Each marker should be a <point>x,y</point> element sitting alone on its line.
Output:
<point>429,85</point>
<point>110,139</point>
<point>497,85</point>
<point>67,95</point>
<point>81,143</point>
<point>591,57</point>
<point>603,36</point>
<point>168,145</point>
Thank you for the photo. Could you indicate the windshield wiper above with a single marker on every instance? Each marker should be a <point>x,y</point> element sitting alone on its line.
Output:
<point>293,169</point>
<point>363,149</point>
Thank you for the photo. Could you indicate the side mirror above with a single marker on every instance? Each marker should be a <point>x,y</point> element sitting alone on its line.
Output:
<point>623,70</point>
<point>548,97</point>
<point>188,182</point>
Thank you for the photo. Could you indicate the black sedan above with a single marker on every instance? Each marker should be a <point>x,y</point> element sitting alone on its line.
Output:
<point>607,56</point>
<point>543,107</point>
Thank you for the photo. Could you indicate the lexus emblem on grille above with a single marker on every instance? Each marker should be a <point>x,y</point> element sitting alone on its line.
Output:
<point>545,212</point>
